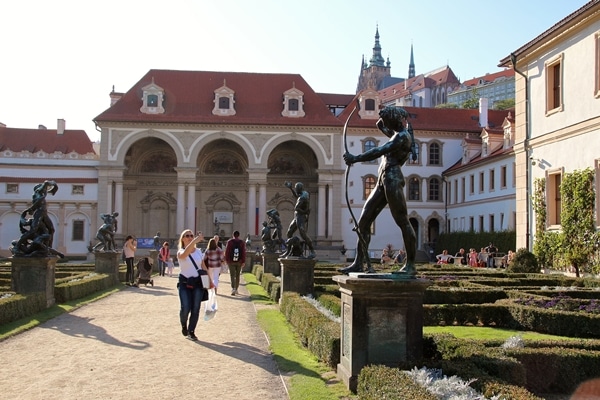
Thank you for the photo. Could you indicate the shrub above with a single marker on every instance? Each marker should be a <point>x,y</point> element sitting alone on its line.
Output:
<point>525,262</point>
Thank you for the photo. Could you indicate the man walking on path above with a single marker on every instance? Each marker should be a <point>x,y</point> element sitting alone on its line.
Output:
<point>235,257</point>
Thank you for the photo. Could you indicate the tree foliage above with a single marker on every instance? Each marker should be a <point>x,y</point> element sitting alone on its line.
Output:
<point>504,104</point>
<point>578,199</point>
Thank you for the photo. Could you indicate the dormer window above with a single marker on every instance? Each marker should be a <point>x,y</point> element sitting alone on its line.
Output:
<point>152,99</point>
<point>224,101</point>
<point>293,103</point>
<point>369,104</point>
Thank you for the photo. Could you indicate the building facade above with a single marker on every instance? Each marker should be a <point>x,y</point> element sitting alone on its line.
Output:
<point>557,112</point>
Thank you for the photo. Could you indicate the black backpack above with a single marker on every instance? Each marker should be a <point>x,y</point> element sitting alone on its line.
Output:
<point>236,253</point>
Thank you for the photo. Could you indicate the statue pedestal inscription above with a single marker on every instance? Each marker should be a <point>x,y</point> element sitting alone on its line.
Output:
<point>33,275</point>
<point>271,263</point>
<point>382,322</point>
<point>297,275</point>
<point>108,263</point>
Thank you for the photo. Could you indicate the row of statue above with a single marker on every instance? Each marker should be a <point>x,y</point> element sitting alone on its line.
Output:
<point>37,229</point>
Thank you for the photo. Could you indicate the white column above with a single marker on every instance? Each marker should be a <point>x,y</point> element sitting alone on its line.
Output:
<point>190,220</point>
<point>262,200</point>
<point>424,192</point>
<point>330,208</point>
<point>180,207</point>
<point>321,212</point>
<point>252,209</point>
<point>109,197</point>
<point>119,197</point>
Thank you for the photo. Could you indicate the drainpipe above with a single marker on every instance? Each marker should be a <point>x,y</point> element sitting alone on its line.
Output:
<point>513,60</point>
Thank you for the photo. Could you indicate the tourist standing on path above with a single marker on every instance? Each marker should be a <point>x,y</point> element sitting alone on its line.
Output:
<point>163,258</point>
<point>214,258</point>
<point>129,249</point>
<point>190,293</point>
<point>235,257</point>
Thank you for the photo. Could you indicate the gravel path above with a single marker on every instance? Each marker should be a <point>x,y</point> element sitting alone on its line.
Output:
<point>129,346</point>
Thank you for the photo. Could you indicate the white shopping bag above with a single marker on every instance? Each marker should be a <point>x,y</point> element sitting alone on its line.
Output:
<point>210,306</point>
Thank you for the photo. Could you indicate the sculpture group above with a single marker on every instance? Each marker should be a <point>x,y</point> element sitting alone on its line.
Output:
<point>36,227</point>
<point>106,233</point>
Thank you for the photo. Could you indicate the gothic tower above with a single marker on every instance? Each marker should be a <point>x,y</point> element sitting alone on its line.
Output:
<point>411,66</point>
<point>378,69</point>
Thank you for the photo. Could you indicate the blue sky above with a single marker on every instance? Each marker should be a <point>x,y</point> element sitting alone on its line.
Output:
<point>61,58</point>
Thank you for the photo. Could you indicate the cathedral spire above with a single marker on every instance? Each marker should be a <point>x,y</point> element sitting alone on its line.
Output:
<point>411,66</point>
<point>377,58</point>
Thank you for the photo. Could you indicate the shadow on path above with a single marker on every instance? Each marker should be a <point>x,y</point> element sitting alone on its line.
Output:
<point>80,327</point>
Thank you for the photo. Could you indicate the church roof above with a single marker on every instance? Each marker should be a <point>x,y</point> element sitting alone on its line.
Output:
<point>46,140</point>
<point>189,98</point>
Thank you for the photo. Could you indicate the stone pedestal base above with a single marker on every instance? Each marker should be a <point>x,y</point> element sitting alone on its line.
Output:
<point>153,259</point>
<point>34,274</point>
<point>382,322</point>
<point>108,263</point>
<point>271,263</point>
<point>249,261</point>
<point>297,275</point>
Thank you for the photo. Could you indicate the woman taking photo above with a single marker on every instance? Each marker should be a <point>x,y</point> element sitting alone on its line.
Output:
<point>190,291</point>
<point>129,254</point>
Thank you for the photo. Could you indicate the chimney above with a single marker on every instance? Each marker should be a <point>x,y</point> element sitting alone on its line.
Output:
<point>60,126</point>
<point>115,96</point>
<point>483,112</point>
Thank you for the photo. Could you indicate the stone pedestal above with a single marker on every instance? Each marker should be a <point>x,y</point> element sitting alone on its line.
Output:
<point>271,263</point>
<point>297,275</point>
<point>108,263</point>
<point>247,267</point>
<point>382,322</point>
<point>154,260</point>
<point>33,275</point>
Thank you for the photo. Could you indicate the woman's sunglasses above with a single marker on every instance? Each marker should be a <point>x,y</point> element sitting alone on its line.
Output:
<point>188,235</point>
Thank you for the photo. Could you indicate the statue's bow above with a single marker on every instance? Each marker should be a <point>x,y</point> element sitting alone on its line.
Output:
<point>356,227</point>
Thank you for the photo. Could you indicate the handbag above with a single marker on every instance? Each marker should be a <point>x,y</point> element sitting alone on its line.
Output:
<point>202,275</point>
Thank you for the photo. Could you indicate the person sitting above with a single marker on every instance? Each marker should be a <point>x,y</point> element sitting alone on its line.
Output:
<point>385,258</point>
<point>461,257</point>
<point>400,257</point>
<point>444,258</point>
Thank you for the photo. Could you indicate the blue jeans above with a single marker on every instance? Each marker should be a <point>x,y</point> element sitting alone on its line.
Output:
<point>190,305</point>
<point>161,267</point>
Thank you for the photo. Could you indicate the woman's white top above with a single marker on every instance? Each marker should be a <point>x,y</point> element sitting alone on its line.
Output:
<point>129,249</point>
<point>186,267</point>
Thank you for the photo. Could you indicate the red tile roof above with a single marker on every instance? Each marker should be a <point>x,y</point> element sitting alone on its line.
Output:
<point>46,140</point>
<point>189,98</point>
<point>437,119</point>
<point>489,78</point>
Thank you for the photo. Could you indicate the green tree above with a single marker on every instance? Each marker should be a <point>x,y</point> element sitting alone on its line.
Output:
<point>473,101</point>
<point>447,105</point>
<point>578,198</point>
<point>504,104</point>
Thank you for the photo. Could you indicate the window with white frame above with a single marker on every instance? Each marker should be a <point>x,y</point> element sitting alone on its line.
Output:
<point>597,65</point>
<point>369,182</point>
<point>554,80</point>
<point>293,103</point>
<point>224,101</point>
<point>414,189</point>
<point>434,189</point>
<point>553,199</point>
<point>78,230</point>
<point>368,144</point>
<point>152,99</point>
<point>12,188</point>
